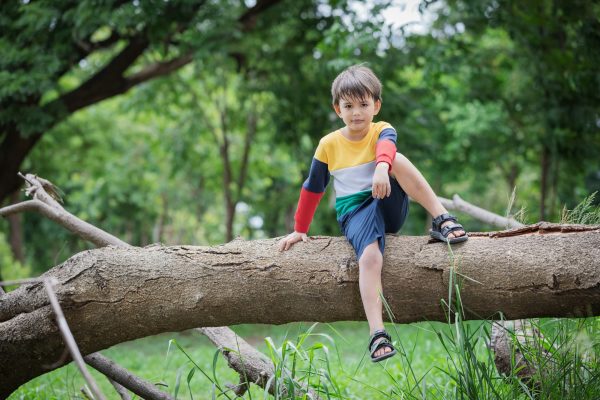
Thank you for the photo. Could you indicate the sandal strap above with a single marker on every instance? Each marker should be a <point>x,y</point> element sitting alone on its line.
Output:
<point>383,342</point>
<point>446,230</point>
<point>437,222</point>
<point>381,333</point>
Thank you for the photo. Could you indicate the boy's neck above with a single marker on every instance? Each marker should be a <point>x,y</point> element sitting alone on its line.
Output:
<point>355,135</point>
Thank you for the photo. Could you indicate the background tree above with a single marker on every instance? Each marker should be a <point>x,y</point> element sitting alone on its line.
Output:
<point>462,95</point>
<point>60,58</point>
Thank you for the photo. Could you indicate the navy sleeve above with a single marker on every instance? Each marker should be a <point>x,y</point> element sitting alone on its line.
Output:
<point>318,178</point>
<point>389,134</point>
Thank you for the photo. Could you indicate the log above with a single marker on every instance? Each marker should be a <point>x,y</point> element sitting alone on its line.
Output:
<point>111,295</point>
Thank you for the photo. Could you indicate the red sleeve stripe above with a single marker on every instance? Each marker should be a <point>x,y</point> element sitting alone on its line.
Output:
<point>385,151</point>
<point>307,205</point>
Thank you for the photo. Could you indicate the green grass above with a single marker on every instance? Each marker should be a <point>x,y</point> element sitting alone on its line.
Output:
<point>435,361</point>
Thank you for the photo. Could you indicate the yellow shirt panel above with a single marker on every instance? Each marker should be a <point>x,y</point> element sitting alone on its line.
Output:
<point>338,152</point>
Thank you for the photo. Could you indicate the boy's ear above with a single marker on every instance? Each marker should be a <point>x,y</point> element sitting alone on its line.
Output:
<point>377,107</point>
<point>336,107</point>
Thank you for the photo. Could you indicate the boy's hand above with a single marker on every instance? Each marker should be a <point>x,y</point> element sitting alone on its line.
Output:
<point>381,181</point>
<point>290,239</point>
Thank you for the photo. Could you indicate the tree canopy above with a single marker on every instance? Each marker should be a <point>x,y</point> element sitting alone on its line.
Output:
<point>195,121</point>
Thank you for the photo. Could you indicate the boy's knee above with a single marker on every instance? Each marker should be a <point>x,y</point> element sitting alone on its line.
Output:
<point>400,158</point>
<point>371,256</point>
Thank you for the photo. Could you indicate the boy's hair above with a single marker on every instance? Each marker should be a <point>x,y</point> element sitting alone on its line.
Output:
<point>356,82</point>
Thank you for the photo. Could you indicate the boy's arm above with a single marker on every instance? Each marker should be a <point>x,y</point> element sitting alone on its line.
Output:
<point>385,153</point>
<point>385,149</point>
<point>310,195</point>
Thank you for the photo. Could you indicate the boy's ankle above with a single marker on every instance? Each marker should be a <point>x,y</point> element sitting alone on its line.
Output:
<point>372,331</point>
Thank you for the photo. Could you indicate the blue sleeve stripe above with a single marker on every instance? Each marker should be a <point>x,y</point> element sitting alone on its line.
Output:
<point>318,178</point>
<point>389,134</point>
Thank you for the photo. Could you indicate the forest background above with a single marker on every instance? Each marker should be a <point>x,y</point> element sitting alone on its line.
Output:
<point>487,97</point>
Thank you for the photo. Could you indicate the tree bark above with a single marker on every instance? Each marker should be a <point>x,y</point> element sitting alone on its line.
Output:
<point>85,230</point>
<point>112,295</point>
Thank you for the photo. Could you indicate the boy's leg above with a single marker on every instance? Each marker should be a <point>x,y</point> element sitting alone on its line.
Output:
<point>415,185</point>
<point>369,281</point>
<point>394,207</point>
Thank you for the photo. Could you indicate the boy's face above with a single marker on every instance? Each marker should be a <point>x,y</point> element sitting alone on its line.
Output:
<point>357,114</point>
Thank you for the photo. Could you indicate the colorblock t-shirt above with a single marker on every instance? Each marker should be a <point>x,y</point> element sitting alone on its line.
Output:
<point>352,165</point>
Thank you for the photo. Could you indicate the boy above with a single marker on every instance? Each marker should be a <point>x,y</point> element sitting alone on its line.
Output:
<point>369,203</point>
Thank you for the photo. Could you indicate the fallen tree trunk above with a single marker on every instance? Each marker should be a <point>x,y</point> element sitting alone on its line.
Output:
<point>111,295</point>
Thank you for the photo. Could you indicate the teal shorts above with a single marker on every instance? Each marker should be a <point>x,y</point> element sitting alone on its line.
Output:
<point>373,218</point>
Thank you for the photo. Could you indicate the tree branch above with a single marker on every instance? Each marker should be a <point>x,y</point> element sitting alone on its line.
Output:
<point>51,209</point>
<point>70,340</point>
<point>107,82</point>
<point>479,213</point>
<point>111,81</point>
<point>87,47</point>
<point>29,205</point>
<point>513,342</point>
<point>253,366</point>
<point>144,389</point>
<point>158,69</point>
<point>120,389</point>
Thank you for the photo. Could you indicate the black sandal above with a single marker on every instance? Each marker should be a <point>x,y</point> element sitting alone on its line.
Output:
<point>379,340</point>
<point>441,234</point>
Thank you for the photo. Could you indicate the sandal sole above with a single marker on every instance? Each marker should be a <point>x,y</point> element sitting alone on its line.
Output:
<point>384,357</point>
<point>438,236</point>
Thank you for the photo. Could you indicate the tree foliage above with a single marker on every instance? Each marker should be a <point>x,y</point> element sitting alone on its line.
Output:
<point>493,95</point>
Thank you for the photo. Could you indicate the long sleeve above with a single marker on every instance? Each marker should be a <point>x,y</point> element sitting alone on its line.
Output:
<point>311,193</point>
<point>385,149</point>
